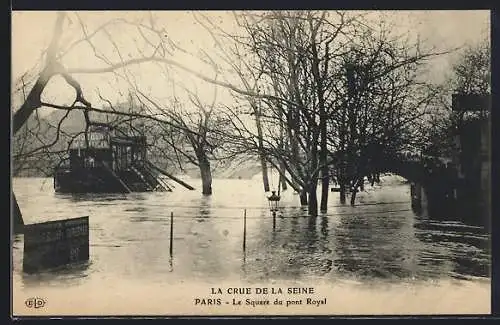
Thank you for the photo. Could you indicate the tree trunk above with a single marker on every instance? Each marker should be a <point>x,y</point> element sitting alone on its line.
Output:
<point>341,173</point>
<point>303,197</point>
<point>282,168</point>
<point>323,154</point>
<point>323,157</point>
<point>313,187</point>
<point>358,184</point>
<point>353,196</point>
<point>284,186</point>
<point>342,184</point>
<point>18,222</point>
<point>32,102</point>
<point>293,146</point>
<point>20,117</point>
<point>265,177</point>
<point>206,176</point>
<point>263,163</point>
<point>325,188</point>
<point>342,193</point>
<point>313,200</point>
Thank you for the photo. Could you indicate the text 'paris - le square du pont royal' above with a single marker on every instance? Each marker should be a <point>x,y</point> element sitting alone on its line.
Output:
<point>293,297</point>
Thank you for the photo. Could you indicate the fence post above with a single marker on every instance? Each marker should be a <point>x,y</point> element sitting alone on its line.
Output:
<point>244,229</point>
<point>171,233</point>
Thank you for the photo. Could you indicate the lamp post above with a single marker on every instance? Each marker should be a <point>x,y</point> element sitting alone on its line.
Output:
<point>274,201</point>
<point>273,205</point>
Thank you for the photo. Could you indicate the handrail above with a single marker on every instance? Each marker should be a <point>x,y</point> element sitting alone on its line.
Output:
<point>161,182</point>
<point>144,178</point>
<point>189,187</point>
<point>149,178</point>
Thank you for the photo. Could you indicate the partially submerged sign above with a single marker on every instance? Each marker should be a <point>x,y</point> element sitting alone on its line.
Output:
<point>471,102</point>
<point>55,243</point>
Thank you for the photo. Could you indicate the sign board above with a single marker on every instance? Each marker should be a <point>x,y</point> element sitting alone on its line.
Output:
<point>96,140</point>
<point>471,102</point>
<point>55,243</point>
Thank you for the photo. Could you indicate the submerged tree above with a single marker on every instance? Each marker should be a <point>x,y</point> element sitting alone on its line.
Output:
<point>152,47</point>
<point>190,132</point>
<point>343,93</point>
<point>381,100</point>
<point>292,52</point>
<point>319,93</point>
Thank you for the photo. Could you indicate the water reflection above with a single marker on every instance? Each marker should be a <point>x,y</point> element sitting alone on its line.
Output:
<point>389,246</point>
<point>372,242</point>
<point>206,240</point>
<point>139,212</point>
<point>292,250</point>
<point>374,246</point>
<point>205,205</point>
<point>79,197</point>
<point>66,275</point>
<point>463,248</point>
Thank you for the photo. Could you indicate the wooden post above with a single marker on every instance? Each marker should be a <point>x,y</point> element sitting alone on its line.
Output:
<point>244,230</point>
<point>171,233</point>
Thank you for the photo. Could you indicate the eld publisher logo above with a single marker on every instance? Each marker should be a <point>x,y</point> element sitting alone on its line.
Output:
<point>35,302</point>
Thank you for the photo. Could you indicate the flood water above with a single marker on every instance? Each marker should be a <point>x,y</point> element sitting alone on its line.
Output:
<point>380,243</point>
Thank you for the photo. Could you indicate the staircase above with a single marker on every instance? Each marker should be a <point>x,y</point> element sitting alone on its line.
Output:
<point>152,178</point>
<point>139,179</point>
<point>151,183</point>
<point>134,181</point>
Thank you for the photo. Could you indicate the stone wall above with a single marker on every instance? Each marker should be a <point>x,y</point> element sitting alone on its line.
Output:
<point>473,152</point>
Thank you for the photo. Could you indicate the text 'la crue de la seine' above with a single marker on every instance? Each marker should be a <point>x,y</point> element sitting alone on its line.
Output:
<point>260,296</point>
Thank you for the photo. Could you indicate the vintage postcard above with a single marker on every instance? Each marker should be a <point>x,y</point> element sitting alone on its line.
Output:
<point>250,163</point>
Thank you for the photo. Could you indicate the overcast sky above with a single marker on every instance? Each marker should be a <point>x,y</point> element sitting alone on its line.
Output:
<point>32,31</point>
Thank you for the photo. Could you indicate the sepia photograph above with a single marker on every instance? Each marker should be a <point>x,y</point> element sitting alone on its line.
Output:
<point>250,163</point>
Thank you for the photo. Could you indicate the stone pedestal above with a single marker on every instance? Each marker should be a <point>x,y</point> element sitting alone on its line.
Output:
<point>485,181</point>
<point>416,197</point>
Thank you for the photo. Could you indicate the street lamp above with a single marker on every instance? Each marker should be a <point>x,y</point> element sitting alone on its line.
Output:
<point>273,202</point>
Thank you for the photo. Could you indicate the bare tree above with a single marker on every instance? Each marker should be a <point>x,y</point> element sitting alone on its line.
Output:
<point>471,73</point>
<point>331,74</point>
<point>290,53</point>
<point>159,48</point>
<point>192,139</point>
<point>317,103</point>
